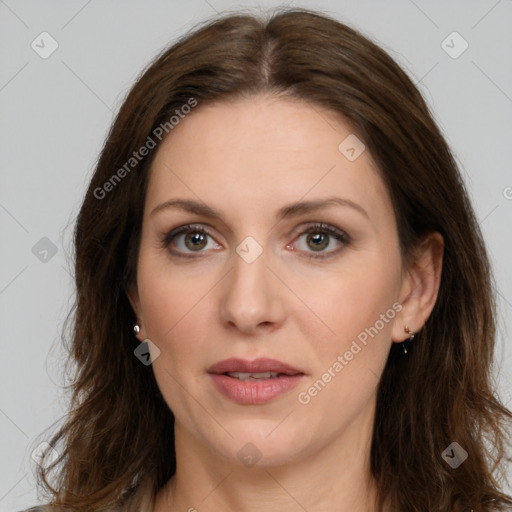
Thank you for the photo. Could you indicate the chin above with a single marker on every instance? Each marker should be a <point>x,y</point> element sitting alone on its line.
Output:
<point>263,446</point>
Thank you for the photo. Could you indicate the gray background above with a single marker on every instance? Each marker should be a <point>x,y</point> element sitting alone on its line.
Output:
<point>56,112</point>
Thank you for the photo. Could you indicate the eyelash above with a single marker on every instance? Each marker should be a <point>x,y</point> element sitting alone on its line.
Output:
<point>341,236</point>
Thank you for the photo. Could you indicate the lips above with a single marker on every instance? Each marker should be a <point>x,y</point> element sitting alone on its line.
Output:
<point>258,366</point>
<point>254,382</point>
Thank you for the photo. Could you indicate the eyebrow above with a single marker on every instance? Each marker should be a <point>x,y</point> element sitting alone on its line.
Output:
<point>288,211</point>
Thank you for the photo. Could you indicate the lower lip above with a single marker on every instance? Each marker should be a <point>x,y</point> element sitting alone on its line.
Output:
<point>254,392</point>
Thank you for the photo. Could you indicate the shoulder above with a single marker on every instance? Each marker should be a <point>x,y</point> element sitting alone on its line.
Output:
<point>140,500</point>
<point>40,508</point>
<point>48,508</point>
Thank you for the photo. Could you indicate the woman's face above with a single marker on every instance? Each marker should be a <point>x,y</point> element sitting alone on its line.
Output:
<point>254,278</point>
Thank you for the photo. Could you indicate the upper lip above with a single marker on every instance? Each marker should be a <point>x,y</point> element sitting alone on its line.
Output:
<point>260,365</point>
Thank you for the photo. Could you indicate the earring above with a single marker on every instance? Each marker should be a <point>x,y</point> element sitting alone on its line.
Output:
<point>411,337</point>
<point>136,329</point>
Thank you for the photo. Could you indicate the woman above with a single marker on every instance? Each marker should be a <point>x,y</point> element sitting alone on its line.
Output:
<point>329,346</point>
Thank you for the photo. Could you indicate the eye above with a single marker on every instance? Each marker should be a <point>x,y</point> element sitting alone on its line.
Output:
<point>194,238</point>
<point>187,238</point>
<point>319,237</point>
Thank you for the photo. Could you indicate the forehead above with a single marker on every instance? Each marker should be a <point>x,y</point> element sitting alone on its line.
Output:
<point>262,151</point>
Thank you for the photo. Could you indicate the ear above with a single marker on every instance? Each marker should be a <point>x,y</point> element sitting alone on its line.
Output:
<point>420,286</point>
<point>133,296</point>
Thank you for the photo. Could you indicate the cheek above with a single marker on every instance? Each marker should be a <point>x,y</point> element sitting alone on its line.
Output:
<point>357,306</point>
<point>354,298</point>
<point>173,305</point>
<point>168,292</point>
<point>171,302</point>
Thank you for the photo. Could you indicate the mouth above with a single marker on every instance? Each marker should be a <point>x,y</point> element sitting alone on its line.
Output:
<point>254,376</point>
<point>254,382</point>
<point>262,368</point>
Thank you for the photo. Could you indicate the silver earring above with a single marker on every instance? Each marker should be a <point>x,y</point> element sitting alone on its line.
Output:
<point>411,337</point>
<point>136,329</point>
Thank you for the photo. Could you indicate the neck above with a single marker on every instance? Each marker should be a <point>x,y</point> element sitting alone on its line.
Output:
<point>334,477</point>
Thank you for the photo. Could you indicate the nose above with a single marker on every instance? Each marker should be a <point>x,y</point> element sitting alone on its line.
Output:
<point>253,297</point>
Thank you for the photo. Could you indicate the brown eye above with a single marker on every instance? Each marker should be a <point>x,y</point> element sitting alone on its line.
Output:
<point>195,240</point>
<point>187,239</point>
<point>319,241</point>
<point>319,237</point>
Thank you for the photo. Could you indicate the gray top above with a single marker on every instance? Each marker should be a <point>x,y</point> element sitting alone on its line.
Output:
<point>140,501</point>
<point>42,508</point>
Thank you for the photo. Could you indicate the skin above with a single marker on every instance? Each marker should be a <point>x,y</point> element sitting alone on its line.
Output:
<point>247,159</point>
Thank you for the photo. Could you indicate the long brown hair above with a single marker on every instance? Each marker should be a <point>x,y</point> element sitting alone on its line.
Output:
<point>119,430</point>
